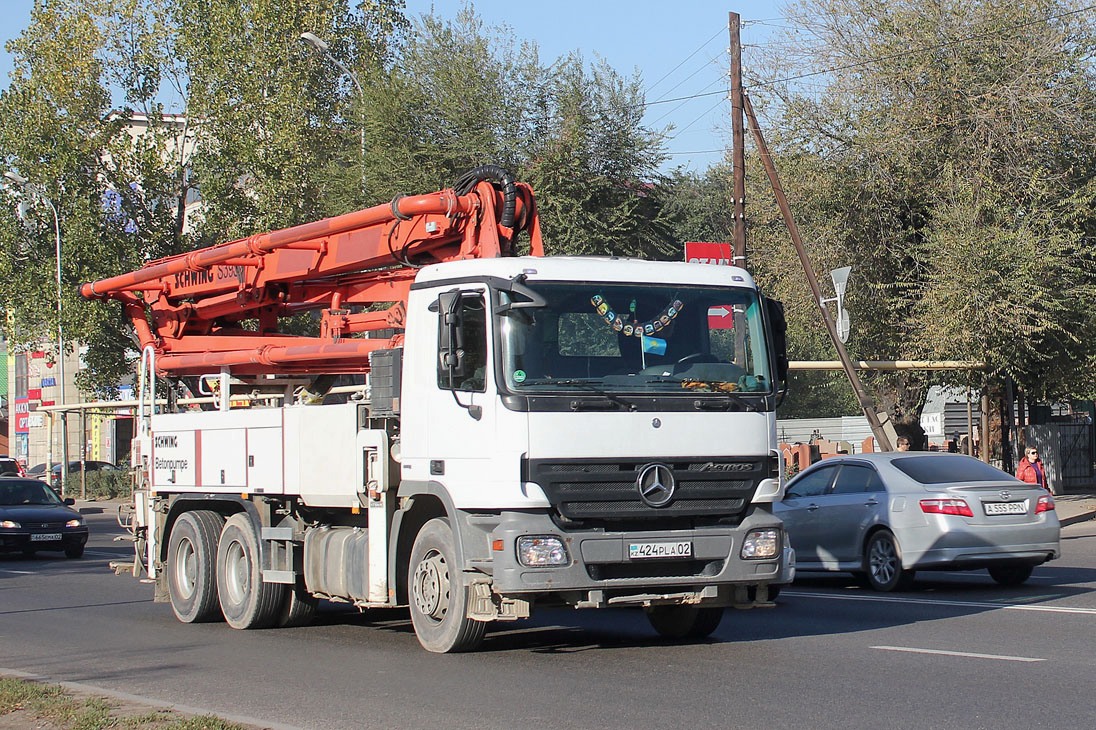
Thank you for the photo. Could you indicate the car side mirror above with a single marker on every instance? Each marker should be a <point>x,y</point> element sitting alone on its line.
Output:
<point>70,501</point>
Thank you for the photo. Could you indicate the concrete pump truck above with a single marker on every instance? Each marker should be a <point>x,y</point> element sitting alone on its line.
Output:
<point>510,430</point>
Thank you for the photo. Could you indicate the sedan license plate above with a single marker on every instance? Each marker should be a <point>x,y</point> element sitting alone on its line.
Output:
<point>45,537</point>
<point>645,550</point>
<point>1006,508</point>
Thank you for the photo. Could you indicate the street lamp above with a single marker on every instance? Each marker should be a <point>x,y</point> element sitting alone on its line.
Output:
<point>36,194</point>
<point>320,46</point>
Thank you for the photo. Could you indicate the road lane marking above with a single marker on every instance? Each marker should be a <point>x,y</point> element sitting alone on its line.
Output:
<point>937,602</point>
<point>967,654</point>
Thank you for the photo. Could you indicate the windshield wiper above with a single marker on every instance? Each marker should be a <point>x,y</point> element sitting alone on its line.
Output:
<point>610,401</point>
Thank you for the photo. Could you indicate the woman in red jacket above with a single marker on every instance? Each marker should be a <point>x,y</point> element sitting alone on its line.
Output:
<point>1031,469</point>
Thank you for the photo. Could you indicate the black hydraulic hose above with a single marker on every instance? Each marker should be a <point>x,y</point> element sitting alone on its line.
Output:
<point>495,174</point>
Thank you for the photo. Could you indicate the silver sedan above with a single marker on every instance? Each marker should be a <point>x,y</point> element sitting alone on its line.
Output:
<point>884,516</point>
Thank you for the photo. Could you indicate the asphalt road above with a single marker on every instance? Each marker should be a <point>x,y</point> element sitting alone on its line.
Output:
<point>955,652</point>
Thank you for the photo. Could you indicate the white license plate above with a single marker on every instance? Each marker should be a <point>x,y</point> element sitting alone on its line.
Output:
<point>1006,508</point>
<point>642,550</point>
<point>45,536</point>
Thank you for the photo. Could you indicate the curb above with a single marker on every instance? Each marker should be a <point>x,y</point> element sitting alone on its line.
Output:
<point>1083,517</point>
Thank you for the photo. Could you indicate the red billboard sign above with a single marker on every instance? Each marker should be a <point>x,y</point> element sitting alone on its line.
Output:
<point>705,252</point>
<point>22,415</point>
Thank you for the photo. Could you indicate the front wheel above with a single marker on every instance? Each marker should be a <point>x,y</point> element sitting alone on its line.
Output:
<point>246,601</point>
<point>439,598</point>
<point>1011,575</point>
<point>883,564</point>
<point>76,551</point>
<point>684,622</point>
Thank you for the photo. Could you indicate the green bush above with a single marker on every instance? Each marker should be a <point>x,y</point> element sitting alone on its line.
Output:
<point>100,485</point>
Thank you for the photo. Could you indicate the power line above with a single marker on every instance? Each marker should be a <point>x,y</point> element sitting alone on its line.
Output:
<point>686,60</point>
<point>922,49</point>
<point>859,64</point>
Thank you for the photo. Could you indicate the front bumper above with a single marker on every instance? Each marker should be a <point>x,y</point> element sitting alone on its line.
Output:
<point>16,539</point>
<point>599,571</point>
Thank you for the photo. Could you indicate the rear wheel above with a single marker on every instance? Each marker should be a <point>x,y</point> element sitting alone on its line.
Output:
<point>439,598</point>
<point>191,566</point>
<point>684,622</point>
<point>883,564</point>
<point>1011,575</point>
<point>297,609</point>
<point>246,602</point>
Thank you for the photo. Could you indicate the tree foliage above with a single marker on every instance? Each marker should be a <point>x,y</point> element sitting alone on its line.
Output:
<point>946,151</point>
<point>236,112</point>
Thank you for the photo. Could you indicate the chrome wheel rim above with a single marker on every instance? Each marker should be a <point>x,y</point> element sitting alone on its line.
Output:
<point>883,561</point>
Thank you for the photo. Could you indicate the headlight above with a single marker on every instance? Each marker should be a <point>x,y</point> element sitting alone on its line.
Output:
<point>760,545</point>
<point>74,523</point>
<point>9,523</point>
<point>541,550</point>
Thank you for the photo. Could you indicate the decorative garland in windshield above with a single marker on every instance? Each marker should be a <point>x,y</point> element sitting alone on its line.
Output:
<point>634,328</point>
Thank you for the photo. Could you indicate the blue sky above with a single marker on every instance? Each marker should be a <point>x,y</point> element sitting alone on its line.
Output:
<point>679,49</point>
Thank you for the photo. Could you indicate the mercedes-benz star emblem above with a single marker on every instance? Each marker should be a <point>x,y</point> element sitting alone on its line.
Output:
<point>656,485</point>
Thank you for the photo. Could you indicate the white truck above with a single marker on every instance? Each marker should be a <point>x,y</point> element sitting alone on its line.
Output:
<point>517,430</point>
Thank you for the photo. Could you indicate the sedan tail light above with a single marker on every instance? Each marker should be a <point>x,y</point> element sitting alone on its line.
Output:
<point>1045,504</point>
<point>946,507</point>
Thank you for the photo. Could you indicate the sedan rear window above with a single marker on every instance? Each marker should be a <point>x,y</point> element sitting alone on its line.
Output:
<point>941,469</point>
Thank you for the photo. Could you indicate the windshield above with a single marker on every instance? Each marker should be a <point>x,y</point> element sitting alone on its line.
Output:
<point>635,338</point>
<point>945,469</point>
<point>26,492</point>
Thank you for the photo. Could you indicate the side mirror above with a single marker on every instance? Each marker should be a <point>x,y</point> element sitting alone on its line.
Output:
<point>451,336</point>
<point>70,501</point>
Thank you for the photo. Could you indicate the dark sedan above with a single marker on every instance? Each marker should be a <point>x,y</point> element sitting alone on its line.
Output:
<point>33,518</point>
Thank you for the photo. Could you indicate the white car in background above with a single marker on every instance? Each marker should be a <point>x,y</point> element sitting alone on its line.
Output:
<point>885,516</point>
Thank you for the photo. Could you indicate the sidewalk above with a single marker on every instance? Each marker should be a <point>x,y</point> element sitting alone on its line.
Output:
<point>1074,508</point>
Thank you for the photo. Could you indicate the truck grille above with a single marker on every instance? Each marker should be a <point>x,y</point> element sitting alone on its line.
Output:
<point>602,490</point>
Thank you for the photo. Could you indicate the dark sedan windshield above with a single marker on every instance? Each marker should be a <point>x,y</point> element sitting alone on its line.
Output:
<point>636,338</point>
<point>26,491</point>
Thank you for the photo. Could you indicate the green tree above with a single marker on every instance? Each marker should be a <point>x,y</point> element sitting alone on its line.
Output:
<point>946,151</point>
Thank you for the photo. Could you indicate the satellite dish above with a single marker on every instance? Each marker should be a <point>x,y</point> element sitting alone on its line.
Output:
<point>843,325</point>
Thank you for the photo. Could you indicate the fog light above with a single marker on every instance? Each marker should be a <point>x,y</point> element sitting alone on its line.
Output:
<point>761,545</point>
<point>541,550</point>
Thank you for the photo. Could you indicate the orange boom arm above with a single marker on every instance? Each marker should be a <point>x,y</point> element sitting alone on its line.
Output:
<point>222,306</point>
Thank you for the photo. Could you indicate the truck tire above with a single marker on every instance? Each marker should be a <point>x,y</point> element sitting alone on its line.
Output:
<point>191,566</point>
<point>438,596</point>
<point>684,622</point>
<point>246,602</point>
<point>297,609</point>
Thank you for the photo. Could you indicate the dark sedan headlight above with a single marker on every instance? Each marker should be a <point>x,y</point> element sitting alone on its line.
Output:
<point>78,522</point>
<point>9,524</point>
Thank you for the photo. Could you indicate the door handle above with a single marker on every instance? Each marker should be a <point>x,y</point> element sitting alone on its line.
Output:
<point>812,507</point>
<point>871,503</point>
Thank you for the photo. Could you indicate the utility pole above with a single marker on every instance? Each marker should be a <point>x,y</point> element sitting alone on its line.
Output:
<point>738,151</point>
<point>866,403</point>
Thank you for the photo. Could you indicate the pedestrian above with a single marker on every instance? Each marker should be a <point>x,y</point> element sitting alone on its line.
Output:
<point>903,443</point>
<point>1031,469</point>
